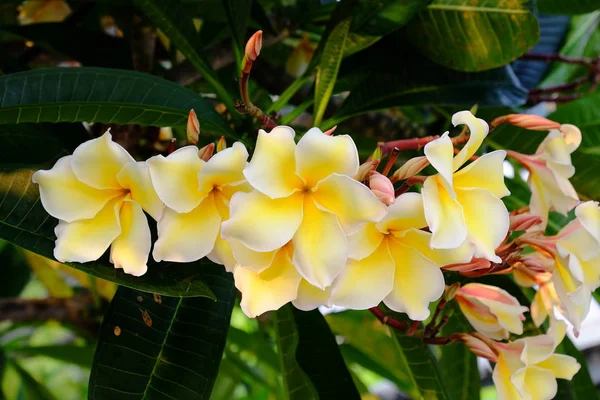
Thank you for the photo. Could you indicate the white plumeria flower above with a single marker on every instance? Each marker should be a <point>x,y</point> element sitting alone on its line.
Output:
<point>197,195</point>
<point>465,205</point>
<point>303,193</point>
<point>98,195</point>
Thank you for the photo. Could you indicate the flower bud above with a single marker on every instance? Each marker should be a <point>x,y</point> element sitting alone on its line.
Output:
<point>222,144</point>
<point>526,121</point>
<point>382,188</point>
<point>476,264</point>
<point>330,131</point>
<point>450,291</point>
<point>522,222</point>
<point>410,168</point>
<point>253,46</point>
<point>364,171</point>
<point>193,128</point>
<point>490,310</point>
<point>480,346</point>
<point>206,152</point>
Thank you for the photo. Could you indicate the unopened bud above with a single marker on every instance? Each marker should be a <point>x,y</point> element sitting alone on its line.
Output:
<point>410,168</point>
<point>253,46</point>
<point>475,264</point>
<point>206,152</point>
<point>193,128</point>
<point>450,291</point>
<point>364,171</point>
<point>378,153</point>
<point>522,222</point>
<point>479,345</point>
<point>382,188</point>
<point>222,144</point>
<point>330,131</point>
<point>527,121</point>
<point>537,263</point>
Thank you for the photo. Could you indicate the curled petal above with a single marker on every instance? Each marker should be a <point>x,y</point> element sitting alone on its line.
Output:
<point>189,236</point>
<point>98,161</point>
<point>536,382</point>
<point>272,169</point>
<point>478,131</point>
<point>407,212</point>
<point>224,168</point>
<point>439,153</point>
<point>588,214</point>
<point>319,155</point>
<point>562,366</point>
<point>417,282</point>
<point>65,197</point>
<point>261,223</point>
<point>175,178</point>
<point>130,249</point>
<point>444,215</point>
<point>484,173</point>
<point>351,201</point>
<point>87,239</point>
<point>311,297</point>
<point>250,259</point>
<point>222,254</point>
<point>572,136</point>
<point>319,264</point>
<point>135,176</point>
<point>364,284</point>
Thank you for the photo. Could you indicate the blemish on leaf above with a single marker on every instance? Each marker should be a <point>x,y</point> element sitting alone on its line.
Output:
<point>157,298</point>
<point>146,317</point>
<point>117,330</point>
<point>140,299</point>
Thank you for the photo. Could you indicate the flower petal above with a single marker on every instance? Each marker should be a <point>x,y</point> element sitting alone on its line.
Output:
<point>98,161</point>
<point>269,290</point>
<point>272,169</point>
<point>311,297</point>
<point>318,262</point>
<point>562,366</point>
<point>588,214</point>
<point>478,129</point>
<point>444,215</point>
<point>501,377</point>
<point>419,240</point>
<point>261,223</point>
<point>364,284</point>
<point>175,178</point>
<point>224,168</point>
<point>440,153</point>
<point>319,155</point>
<point>487,221</point>
<point>187,237</point>
<point>407,212</point>
<point>130,249</point>
<point>87,239</point>
<point>222,254</point>
<point>65,197</point>
<point>417,282</point>
<point>364,242</point>
<point>484,173</point>
<point>250,259</point>
<point>135,176</point>
<point>351,201</point>
<point>540,383</point>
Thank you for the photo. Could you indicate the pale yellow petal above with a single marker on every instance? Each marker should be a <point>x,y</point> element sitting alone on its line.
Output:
<point>272,169</point>
<point>417,282</point>
<point>189,236</point>
<point>175,178</point>
<point>407,212</point>
<point>65,197</point>
<point>539,312</point>
<point>269,290</point>
<point>87,239</point>
<point>351,201</point>
<point>261,223</point>
<point>320,246</point>
<point>364,241</point>
<point>588,213</point>
<point>478,129</point>
<point>540,383</point>
<point>222,254</point>
<point>311,297</point>
<point>444,215</point>
<point>250,259</point>
<point>562,366</point>
<point>484,173</point>
<point>579,243</point>
<point>504,386</point>
<point>509,316</point>
<point>440,153</point>
<point>487,221</point>
<point>135,177</point>
<point>419,240</point>
<point>319,155</point>
<point>98,161</point>
<point>364,284</point>
<point>131,248</point>
<point>224,168</point>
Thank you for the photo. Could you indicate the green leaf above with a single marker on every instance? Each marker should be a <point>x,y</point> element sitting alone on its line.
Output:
<point>32,388</point>
<point>563,7</point>
<point>102,95</point>
<point>175,18</point>
<point>474,35</point>
<point>79,355</point>
<point>313,365</point>
<point>329,67</point>
<point>458,364</point>
<point>238,15</point>
<point>13,265</point>
<point>162,348</point>
<point>581,387</point>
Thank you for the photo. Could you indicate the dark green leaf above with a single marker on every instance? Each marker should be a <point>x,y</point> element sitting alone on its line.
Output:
<point>80,355</point>
<point>563,7</point>
<point>474,35</point>
<point>238,15</point>
<point>581,387</point>
<point>255,344</point>
<point>167,348</point>
<point>13,264</point>
<point>101,95</point>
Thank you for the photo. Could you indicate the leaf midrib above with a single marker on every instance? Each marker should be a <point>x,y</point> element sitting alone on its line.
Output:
<point>448,7</point>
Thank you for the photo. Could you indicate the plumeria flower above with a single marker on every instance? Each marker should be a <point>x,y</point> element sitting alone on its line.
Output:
<point>549,171</point>
<point>196,194</point>
<point>528,369</point>
<point>491,310</point>
<point>465,205</point>
<point>391,261</point>
<point>98,195</point>
<point>303,193</point>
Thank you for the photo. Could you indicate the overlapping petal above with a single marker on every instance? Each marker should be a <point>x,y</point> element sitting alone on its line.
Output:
<point>131,248</point>
<point>310,297</point>
<point>224,168</point>
<point>250,259</point>
<point>588,213</point>
<point>484,173</point>
<point>135,177</point>
<point>440,153</point>
<point>445,215</point>
<point>365,241</point>
<point>407,212</point>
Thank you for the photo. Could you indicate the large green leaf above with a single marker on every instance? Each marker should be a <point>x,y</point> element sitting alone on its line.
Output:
<point>101,95</point>
<point>474,35</point>
<point>581,387</point>
<point>165,347</point>
<point>176,19</point>
<point>313,365</point>
<point>567,7</point>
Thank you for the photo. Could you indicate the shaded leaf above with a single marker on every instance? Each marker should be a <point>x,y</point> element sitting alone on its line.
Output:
<point>581,387</point>
<point>79,355</point>
<point>13,264</point>
<point>238,15</point>
<point>170,349</point>
<point>562,7</point>
<point>31,387</point>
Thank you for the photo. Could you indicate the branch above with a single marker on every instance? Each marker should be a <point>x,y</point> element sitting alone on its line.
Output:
<point>587,62</point>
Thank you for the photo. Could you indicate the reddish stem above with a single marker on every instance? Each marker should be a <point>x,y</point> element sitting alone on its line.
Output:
<point>417,143</point>
<point>588,62</point>
<point>389,321</point>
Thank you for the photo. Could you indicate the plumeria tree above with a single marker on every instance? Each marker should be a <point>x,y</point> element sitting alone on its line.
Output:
<point>301,199</point>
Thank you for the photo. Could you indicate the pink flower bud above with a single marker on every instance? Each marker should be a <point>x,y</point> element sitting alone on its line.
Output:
<point>206,152</point>
<point>476,264</point>
<point>254,46</point>
<point>480,346</point>
<point>522,222</point>
<point>410,168</point>
<point>382,188</point>
<point>526,121</point>
<point>222,144</point>
<point>330,131</point>
<point>193,127</point>
<point>364,171</point>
